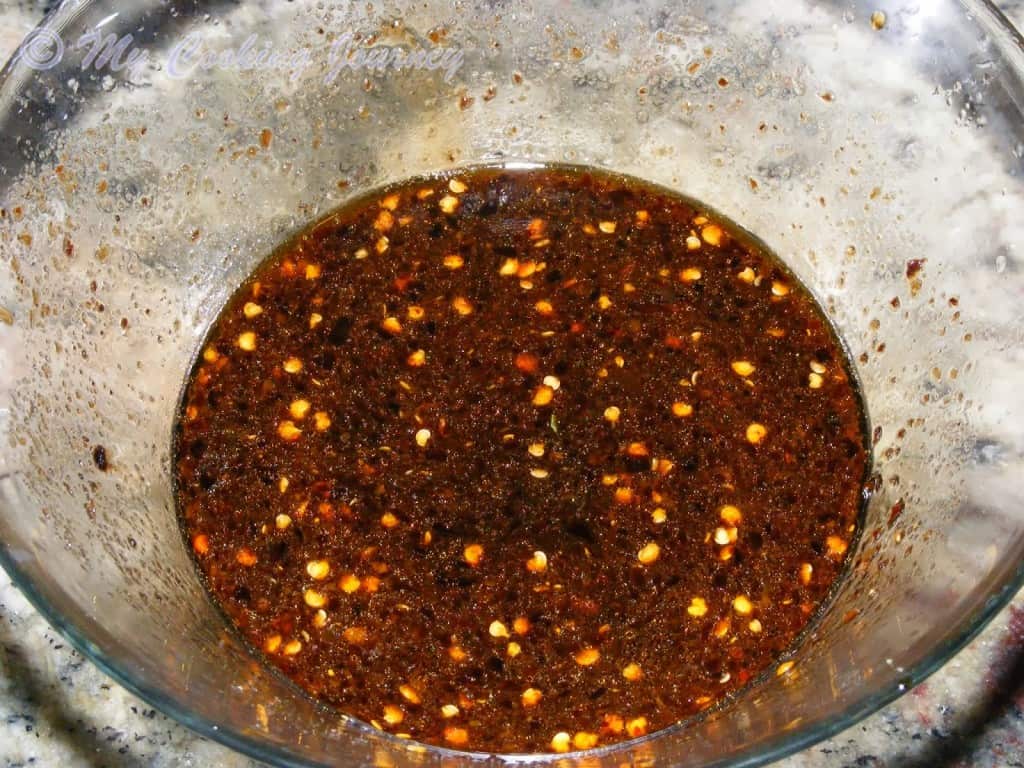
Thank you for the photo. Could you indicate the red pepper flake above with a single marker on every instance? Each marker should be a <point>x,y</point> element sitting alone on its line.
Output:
<point>896,511</point>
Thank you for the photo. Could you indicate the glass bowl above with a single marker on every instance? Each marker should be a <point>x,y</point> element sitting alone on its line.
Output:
<point>875,146</point>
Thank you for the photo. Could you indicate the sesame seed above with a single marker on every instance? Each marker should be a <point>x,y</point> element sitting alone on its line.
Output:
<point>743,368</point>
<point>318,569</point>
<point>632,672</point>
<point>730,514</point>
<point>698,607</point>
<point>247,341</point>
<point>806,571</point>
<point>543,395</point>
<point>712,234</point>
<point>836,546</point>
<point>690,275</point>
<point>538,563</point>
<point>349,583</point>
<point>473,554</point>
<point>756,433</point>
<point>584,740</point>
<point>288,432</point>
<point>314,599</point>
<point>637,727</point>
<point>682,410</point>
<point>561,742</point>
<point>742,605</point>
<point>410,694</point>
<point>531,697</point>
<point>649,553</point>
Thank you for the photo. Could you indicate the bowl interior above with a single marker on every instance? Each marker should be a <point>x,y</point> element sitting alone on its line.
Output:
<point>135,198</point>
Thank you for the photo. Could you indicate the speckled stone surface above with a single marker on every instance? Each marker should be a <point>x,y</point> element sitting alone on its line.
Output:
<point>56,708</point>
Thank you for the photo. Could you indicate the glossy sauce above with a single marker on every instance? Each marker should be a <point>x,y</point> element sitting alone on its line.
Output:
<point>521,461</point>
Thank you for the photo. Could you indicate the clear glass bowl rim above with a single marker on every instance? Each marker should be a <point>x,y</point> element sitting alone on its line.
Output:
<point>785,744</point>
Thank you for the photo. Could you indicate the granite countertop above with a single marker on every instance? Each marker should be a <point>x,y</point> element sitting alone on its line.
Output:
<point>56,708</point>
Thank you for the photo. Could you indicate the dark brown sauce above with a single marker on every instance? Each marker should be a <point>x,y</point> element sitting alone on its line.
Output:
<point>521,461</point>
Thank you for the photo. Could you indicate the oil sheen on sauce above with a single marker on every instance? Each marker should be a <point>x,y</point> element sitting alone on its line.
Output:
<point>521,461</point>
